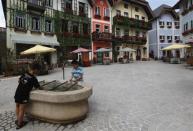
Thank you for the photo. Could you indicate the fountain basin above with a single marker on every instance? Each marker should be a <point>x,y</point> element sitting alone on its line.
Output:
<point>60,107</point>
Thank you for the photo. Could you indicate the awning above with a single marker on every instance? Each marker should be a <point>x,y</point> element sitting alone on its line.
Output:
<point>25,39</point>
<point>176,46</point>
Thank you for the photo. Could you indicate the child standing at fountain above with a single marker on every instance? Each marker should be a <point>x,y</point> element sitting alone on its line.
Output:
<point>77,72</point>
<point>26,83</point>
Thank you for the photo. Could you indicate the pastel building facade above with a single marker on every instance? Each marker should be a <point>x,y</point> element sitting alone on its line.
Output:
<point>130,26</point>
<point>101,28</point>
<point>186,22</point>
<point>61,24</point>
<point>165,31</point>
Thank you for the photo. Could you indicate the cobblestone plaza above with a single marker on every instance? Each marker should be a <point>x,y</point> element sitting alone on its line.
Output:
<point>141,96</point>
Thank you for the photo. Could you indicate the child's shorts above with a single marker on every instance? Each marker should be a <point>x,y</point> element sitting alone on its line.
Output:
<point>20,101</point>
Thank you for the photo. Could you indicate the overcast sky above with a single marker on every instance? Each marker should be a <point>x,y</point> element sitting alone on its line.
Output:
<point>153,3</point>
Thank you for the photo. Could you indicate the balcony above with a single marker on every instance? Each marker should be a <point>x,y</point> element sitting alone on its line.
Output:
<point>185,33</point>
<point>101,36</point>
<point>126,21</point>
<point>130,39</point>
<point>82,14</point>
<point>36,5</point>
<point>73,39</point>
<point>97,16</point>
<point>106,18</point>
<point>69,11</point>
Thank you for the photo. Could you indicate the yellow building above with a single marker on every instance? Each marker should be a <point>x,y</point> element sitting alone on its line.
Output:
<point>130,26</point>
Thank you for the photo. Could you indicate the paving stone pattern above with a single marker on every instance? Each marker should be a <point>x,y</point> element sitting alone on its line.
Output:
<point>141,96</point>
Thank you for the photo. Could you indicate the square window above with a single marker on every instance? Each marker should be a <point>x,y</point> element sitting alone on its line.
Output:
<point>137,17</point>
<point>48,26</point>
<point>143,18</point>
<point>136,9</point>
<point>106,29</point>
<point>126,14</point>
<point>97,28</point>
<point>118,12</point>
<point>20,21</point>
<point>126,6</point>
<point>36,23</point>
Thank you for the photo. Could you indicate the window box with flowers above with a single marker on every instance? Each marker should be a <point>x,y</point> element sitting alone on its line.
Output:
<point>66,34</point>
<point>38,32</point>
<point>107,18</point>
<point>49,33</point>
<point>68,10</point>
<point>187,32</point>
<point>86,35</point>
<point>76,35</point>
<point>17,29</point>
<point>97,16</point>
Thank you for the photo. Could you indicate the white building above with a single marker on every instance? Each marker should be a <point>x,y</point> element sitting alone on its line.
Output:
<point>186,21</point>
<point>165,30</point>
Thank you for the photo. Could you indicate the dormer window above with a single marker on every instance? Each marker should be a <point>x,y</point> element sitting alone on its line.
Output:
<point>161,24</point>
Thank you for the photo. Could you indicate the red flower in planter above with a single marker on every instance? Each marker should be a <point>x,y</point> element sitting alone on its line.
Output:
<point>76,35</point>
<point>67,33</point>
<point>107,18</point>
<point>97,16</point>
<point>86,35</point>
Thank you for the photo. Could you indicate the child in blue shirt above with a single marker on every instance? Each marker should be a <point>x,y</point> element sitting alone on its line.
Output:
<point>77,72</point>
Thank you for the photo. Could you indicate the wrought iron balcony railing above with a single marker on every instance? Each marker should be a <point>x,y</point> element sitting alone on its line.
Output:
<point>101,36</point>
<point>131,22</point>
<point>36,5</point>
<point>130,39</point>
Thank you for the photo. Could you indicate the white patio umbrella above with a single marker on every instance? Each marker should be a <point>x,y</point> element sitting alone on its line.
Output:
<point>38,49</point>
<point>127,50</point>
<point>81,50</point>
<point>176,46</point>
<point>104,50</point>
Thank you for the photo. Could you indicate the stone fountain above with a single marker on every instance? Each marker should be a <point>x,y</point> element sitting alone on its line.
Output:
<point>59,102</point>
